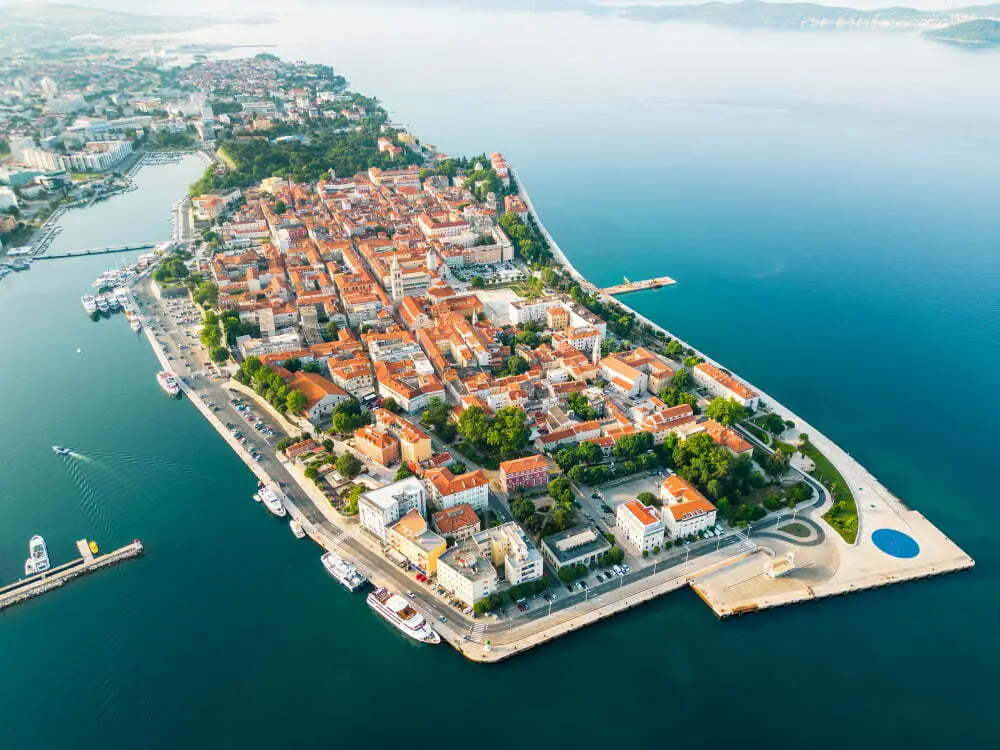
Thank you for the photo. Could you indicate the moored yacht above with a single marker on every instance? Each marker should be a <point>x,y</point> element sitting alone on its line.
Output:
<point>343,570</point>
<point>102,303</point>
<point>89,303</point>
<point>168,382</point>
<point>38,557</point>
<point>400,613</point>
<point>272,500</point>
<point>296,528</point>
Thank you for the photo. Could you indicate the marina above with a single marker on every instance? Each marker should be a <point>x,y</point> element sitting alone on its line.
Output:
<point>44,578</point>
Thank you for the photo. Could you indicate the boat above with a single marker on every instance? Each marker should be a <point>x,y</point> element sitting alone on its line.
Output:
<point>61,450</point>
<point>135,324</point>
<point>398,611</point>
<point>89,303</point>
<point>38,557</point>
<point>102,303</point>
<point>272,500</point>
<point>94,549</point>
<point>343,570</point>
<point>168,382</point>
<point>297,529</point>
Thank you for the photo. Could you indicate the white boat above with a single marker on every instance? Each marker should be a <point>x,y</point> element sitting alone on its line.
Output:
<point>89,303</point>
<point>113,302</point>
<point>398,611</point>
<point>61,450</point>
<point>343,570</point>
<point>135,323</point>
<point>297,529</point>
<point>168,382</point>
<point>102,303</point>
<point>272,501</point>
<point>38,557</point>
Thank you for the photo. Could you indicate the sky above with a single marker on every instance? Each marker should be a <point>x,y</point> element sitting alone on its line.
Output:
<point>194,7</point>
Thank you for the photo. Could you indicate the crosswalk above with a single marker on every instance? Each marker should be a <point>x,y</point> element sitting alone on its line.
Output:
<point>477,631</point>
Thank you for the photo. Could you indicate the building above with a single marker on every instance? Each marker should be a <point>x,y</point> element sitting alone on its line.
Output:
<point>524,473</point>
<point>639,525</point>
<point>97,156</point>
<point>459,522</point>
<point>509,547</point>
<point>580,544</point>
<point>414,444</point>
<point>685,510</point>
<point>8,198</point>
<point>208,206</point>
<point>720,383</point>
<point>447,490</point>
<point>411,538</point>
<point>466,571</point>
<point>728,438</point>
<point>321,395</point>
<point>377,444</point>
<point>378,509</point>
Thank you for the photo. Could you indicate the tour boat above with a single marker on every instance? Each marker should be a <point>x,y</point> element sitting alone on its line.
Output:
<point>62,451</point>
<point>168,382</point>
<point>38,557</point>
<point>296,528</point>
<point>398,611</point>
<point>343,570</point>
<point>272,501</point>
<point>89,303</point>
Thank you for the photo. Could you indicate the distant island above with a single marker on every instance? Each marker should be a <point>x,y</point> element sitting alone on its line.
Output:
<point>982,33</point>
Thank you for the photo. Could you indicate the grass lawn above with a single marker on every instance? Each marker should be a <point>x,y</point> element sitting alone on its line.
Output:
<point>795,529</point>
<point>843,516</point>
<point>757,432</point>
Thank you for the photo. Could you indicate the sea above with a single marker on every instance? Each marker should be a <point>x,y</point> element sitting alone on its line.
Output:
<point>828,205</point>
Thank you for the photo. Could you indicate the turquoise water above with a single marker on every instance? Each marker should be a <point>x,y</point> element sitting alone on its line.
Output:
<point>828,205</point>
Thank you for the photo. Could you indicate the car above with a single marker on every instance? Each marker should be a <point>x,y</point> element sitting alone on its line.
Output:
<point>521,608</point>
<point>569,587</point>
<point>583,585</point>
<point>442,618</point>
<point>606,508</point>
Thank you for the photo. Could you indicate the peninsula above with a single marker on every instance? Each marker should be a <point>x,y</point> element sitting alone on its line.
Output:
<point>399,350</point>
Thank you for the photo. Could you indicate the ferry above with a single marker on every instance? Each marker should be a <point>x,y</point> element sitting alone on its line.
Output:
<point>38,557</point>
<point>61,450</point>
<point>272,501</point>
<point>297,529</point>
<point>398,611</point>
<point>168,382</point>
<point>89,303</point>
<point>343,570</point>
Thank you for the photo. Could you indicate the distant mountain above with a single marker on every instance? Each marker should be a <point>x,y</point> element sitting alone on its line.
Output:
<point>981,33</point>
<point>26,25</point>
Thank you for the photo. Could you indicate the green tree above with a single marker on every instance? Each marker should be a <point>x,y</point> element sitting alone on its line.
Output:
<point>580,406</point>
<point>725,410</point>
<point>648,498</point>
<point>507,432</point>
<point>477,282</point>
<point>682,379</point>
<point>391,405</point>
<point>634,444</point>
<point>473,425</point>
<point>347,465</point>
<point>293,365</point>
<point>220,354</point>
<point>402,473</point>
<point>436,414</point>
<point>515,365</point>
<point>458,468</point>
<point>296,401</point>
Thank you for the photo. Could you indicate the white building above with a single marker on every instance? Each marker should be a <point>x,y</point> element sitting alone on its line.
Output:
<point>685,510</point>
<point>721,383</point>
<point>640,526</point>
<point>467,571</point>
<point>97,157</point>
<point>447,490</point>
<point>8,198</point>
<point>379,509</point>
<point>508,546</point>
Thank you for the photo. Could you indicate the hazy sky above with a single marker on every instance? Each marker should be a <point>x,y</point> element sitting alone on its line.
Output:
<point>264,6</point>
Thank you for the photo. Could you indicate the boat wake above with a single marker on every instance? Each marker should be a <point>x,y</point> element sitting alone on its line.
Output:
<point>90,499</point>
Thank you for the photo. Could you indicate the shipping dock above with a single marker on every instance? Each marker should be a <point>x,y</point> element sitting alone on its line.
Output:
<point>40,583</point>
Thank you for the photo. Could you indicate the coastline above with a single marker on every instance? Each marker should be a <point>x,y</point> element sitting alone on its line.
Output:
<point>701,573</point>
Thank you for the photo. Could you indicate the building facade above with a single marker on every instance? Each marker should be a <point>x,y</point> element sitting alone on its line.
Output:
<point>640,526</point>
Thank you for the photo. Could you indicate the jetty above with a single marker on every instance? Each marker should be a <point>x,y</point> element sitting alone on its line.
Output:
<point>53,578</point>
<point>99,251</point>
<point>637,286</point>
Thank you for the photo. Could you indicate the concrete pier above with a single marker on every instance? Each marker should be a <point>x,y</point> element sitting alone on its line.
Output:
<point>40,583</point>
<point>638,286</point>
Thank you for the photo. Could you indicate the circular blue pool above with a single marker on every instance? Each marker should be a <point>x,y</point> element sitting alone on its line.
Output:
<point>895,543</point>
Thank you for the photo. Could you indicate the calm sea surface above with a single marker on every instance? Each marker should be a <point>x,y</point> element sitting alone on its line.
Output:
<point>828,204</point>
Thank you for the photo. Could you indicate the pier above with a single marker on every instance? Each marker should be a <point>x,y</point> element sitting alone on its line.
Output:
<point>637,286</point>
<point>99,251</point>
<point>53,578</point>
